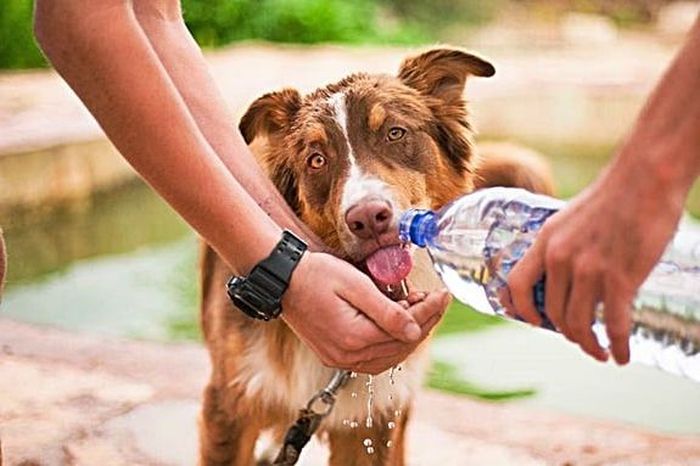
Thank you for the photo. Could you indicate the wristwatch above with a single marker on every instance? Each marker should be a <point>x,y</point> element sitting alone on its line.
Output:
<point>259,295</point>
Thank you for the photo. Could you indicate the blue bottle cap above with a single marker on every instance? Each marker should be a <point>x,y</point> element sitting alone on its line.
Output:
<point>418,226</point>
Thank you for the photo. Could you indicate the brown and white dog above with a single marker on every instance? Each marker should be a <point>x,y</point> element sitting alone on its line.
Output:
<point>348,158</point>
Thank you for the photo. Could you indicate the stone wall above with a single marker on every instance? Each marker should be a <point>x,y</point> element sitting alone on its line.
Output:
<point>37,180</point>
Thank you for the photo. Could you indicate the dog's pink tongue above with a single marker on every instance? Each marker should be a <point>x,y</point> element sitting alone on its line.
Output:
<point>390,265</point>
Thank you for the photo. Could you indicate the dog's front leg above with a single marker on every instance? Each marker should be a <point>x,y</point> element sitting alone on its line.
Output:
<point>226,437</point>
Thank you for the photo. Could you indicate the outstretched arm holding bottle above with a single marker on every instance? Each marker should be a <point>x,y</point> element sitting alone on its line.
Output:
<point>603,245</point>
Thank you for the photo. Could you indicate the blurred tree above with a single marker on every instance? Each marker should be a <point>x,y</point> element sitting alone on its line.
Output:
<point>216,22</point>
<point>17,47</point>
<point>219,22</point>
<point>443,12</point>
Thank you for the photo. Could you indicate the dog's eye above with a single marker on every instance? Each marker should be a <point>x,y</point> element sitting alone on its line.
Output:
<point>316,161</point>
<point>396,133</point>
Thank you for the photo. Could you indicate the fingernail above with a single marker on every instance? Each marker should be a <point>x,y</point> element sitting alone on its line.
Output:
<point>412,331</point>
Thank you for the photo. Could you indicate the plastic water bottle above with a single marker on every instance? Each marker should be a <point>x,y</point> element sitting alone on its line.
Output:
<point>475,241</point>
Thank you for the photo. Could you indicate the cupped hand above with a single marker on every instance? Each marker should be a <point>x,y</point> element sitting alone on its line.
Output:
<point>598,249</point>
<point>348,322</point>
<point>422,307</point>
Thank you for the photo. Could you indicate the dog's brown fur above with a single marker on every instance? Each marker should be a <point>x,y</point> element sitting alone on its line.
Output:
<point>433,163</point>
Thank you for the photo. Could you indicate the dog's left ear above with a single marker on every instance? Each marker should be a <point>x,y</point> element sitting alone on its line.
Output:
<point>443,72</point>
<point>440,75</point>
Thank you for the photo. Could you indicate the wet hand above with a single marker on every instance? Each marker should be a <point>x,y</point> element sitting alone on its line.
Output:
<point>348,322</point>
<point>421,305</point>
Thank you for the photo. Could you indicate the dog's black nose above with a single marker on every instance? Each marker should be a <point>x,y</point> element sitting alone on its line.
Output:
<point>369,219</point>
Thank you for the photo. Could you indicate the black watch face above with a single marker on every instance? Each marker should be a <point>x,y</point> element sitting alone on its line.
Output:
<point>253,302</point>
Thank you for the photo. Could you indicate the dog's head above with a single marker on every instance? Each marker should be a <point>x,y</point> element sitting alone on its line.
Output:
<point>350,157</point>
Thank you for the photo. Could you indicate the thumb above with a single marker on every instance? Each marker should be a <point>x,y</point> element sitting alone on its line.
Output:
<point>388,315</point>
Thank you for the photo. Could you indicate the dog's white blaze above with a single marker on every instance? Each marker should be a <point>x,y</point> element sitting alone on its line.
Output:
<point>340,108</point>
<point>358,184</point>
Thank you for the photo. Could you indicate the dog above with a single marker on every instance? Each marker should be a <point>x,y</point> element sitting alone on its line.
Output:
<point>348,158</point>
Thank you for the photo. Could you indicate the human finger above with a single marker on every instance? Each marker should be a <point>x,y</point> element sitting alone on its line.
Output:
<point>618,323</point>
<point>521,280</point>
<point>388,315</point>
<point>434,304</point>
<point>580,311</point>
<point>415,297</point>
<point>365,334</point>
<point>556,287</point>
<point>383,356</point>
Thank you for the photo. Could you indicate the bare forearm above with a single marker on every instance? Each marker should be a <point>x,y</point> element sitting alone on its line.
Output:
<point>665,141</point>
<point>180,55</point>
<point>109,63</point>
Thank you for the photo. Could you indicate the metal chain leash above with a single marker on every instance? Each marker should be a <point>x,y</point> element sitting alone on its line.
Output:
<point>299,434</point>
<point>309,420</point>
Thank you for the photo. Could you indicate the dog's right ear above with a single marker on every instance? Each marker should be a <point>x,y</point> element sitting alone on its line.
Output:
<point>270,115</point>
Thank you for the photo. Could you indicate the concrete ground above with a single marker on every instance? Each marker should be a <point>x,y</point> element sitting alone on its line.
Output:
<point>75,399</point>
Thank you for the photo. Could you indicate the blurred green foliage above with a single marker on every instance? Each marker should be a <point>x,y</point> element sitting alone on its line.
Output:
<point>17,48</point>
<point>442,13</point>
<point>460,318</point>
<point>220,22</point>
<point>446,378</point>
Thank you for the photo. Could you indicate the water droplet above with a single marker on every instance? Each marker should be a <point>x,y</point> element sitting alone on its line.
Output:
<point>391,375</point>
<point>370,450</point>
<point>397,413</point>
<point>367,442</point>
<point>391,425</point>
<point>354,424</point>
<point>370,400</point>
<point>353,394</point>
<point>353,375</point>
<point>389,443</point>
<point>346,422</point>
<point>391,397</point>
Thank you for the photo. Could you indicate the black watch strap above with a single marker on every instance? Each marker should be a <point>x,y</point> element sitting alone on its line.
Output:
<point>283,260</point>
<point>259,294</point>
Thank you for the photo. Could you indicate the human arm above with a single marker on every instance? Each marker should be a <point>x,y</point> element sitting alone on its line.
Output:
<point>164,27</point>
<point>603,245</point>
<point>104,54</point>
